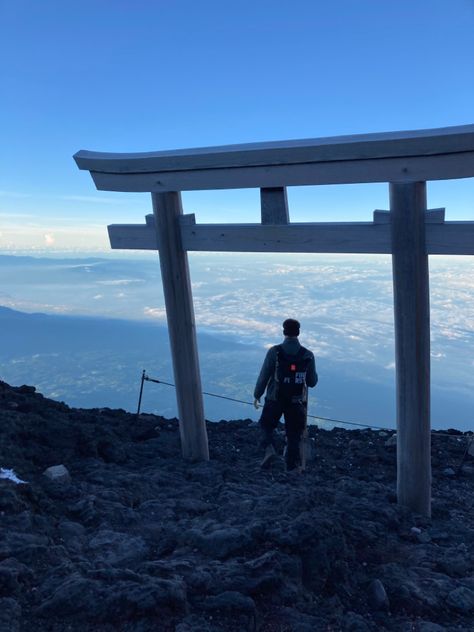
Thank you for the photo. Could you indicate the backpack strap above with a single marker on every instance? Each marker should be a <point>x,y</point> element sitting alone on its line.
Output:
<point>297,356</point>
<point>279,352</point>
<point>301,353</point>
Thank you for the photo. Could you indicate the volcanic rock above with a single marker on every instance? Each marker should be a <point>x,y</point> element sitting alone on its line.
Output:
<point>137,539</point>
<point>58,473</point>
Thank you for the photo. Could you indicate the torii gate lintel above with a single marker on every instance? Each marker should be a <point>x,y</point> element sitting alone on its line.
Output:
<point>409,232</point>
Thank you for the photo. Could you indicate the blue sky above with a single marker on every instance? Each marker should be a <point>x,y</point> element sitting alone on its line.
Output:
<point>147,75</point>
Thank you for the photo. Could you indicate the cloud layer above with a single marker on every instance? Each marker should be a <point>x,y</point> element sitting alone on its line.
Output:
<point>345,305</point>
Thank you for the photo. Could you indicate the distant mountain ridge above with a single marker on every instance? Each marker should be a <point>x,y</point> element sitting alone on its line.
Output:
<point>97,361</point>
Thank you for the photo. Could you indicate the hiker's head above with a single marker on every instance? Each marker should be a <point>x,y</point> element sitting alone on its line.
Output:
<point>291,327</point>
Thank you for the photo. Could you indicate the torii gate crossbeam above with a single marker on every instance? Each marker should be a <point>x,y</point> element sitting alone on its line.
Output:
<point>406,160</point>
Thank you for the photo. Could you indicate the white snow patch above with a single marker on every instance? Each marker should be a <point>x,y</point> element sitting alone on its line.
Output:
<point>10,475</point>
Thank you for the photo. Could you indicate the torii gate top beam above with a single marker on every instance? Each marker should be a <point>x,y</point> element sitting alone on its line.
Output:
<point>411,156</point>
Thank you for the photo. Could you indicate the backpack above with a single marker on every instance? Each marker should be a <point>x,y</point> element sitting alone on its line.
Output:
<point>290,374</point>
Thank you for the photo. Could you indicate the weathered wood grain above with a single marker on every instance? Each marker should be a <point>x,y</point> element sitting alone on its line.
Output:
<point>133,237</point>
<point>427,142</point>
<point>181,326</point>
<point>405,169</point>
<point>450,238</point>
<point>274,206</point>
<point>432,216</point>
<point>446,238</point>
<point>359,237</point>
<point>412,345</point>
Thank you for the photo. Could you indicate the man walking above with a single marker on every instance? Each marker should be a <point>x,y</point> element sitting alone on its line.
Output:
<point>287,371</point>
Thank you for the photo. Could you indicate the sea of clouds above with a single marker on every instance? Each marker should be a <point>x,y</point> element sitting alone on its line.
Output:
<point>345,305</point>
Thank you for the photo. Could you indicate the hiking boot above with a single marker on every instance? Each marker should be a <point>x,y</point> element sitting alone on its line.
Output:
<point>269,457</point>
<point>295,469</point>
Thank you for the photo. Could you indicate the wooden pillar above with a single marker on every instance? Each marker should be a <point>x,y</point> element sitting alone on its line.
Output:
<point>274,205</point>
<point>181,325</point>
<point>412,345</point>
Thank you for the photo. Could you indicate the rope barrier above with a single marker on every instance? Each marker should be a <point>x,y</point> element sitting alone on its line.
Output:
<point>241,401</point>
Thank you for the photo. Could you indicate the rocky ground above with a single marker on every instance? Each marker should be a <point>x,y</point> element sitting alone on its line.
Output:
<point>136,539</point>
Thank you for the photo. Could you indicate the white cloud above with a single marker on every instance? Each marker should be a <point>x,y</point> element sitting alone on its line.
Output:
<point>346,309</point>
<point>94,199</point>
<point>235,324</point>
<point>120,282</point>
<point>33,237</point>
<point>49,239</point>
<point>155,312</point>
<point>14,194</point>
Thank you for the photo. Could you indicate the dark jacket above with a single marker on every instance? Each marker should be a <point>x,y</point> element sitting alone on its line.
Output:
<point>266,379</point>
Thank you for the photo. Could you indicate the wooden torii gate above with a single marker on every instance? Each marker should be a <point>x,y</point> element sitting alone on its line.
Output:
<point>408,231</point>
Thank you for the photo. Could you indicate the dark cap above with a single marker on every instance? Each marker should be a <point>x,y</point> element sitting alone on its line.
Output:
<point>291,327</point>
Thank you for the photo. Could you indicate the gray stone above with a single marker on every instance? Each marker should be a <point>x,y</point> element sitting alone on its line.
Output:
<point>195,623</point>
<point>309,447</point>
<point>118,548</point>
<point>470,449</point>
<point>58,473</point>
<point>198,581</point>
<point>448,471</point>
<point>391,441</point>
<point>23,546</point>
<point>297,621</point>
<point>230,600</point>
<point>130,600</point>
<point>192,506</point>
<point>424,537</point>
<point>25,389</point>
<point>428,626</point>
<point>220,543</point>
<point>75,596</point>
<point>85,510</point>
<point>111,451</point>
<point>355,623</point>
<point>270,573</point>
<point>69,529</point>
<point>73,535</point>
<point>456,561</point>
<point>10,615</point>
<point>461,599</point>
<point>377,596</point>
<point>88,599</point>
<point>12,575</point>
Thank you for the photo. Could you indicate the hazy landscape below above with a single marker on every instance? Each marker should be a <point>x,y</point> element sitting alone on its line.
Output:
<point>82,330</point>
